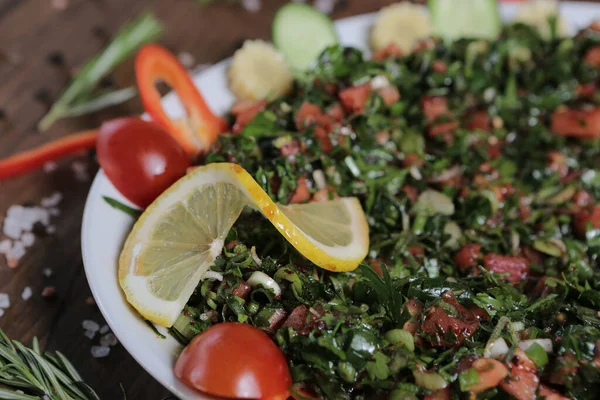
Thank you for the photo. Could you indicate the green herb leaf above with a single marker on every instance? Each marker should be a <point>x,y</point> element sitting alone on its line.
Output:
<point>122,207</point>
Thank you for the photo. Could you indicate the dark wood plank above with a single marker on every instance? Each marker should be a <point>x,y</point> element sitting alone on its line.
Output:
<point>30,31</point>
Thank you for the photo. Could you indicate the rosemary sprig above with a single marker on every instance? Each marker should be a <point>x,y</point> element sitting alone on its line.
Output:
<point>28,374</point>
<point>145,28</point>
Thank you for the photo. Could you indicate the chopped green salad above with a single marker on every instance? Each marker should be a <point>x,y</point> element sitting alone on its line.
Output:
<point>477,165</point>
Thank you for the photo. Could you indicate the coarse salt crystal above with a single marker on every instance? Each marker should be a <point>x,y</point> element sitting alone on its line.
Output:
<point>27,293</point>
<point>186,59</point>
<point>28,239</point>
<point>47,272</point>
<point>1,312</point>
<point>59,4</point>
<point>104,329</point>
<point>89,334</point>
<point>90,325</point>
<point>100,351</point>
<point>108,340</point>
<point>81,172</point>
<point>5,246</point>
<point>52,201</point>
<point>12,228</point>
<point>252,5</point>
<point>51,229</point>
<point>55,212</point>
<point>50,166</point>
<point>4,300</point>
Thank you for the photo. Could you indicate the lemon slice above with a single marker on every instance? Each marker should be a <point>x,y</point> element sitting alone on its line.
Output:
<point>182,232</point>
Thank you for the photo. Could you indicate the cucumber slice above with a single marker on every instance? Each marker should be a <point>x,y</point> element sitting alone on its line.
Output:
<point>455,19</point>
<point>301,33</point>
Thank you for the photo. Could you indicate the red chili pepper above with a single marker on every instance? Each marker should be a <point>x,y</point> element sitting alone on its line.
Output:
<point>36,158</point>
<point>200,128</point>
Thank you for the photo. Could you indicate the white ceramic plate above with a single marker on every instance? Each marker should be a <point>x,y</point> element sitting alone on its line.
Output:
<point>104,229</point>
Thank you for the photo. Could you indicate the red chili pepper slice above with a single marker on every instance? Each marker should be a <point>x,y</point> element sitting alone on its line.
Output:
<point>36,158</point>
<point>200,128</point>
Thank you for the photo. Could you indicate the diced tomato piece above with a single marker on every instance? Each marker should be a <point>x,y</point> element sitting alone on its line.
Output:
<point>242,106</point>
<point>410,192</point>
<point>495,150</point>
<point>503,191</point>
<point>382,137</point>
<point>324,194</point>
<point>290,149</point>
<point>443,127</point>
<point>425,44</point>
<point>298,320</point>
<point>586,89</point>
<point>468,256</point>
<point>306,115</point>
<point>579,123</point>
<point>438,325</point>
<point>524,208</point>
<point>322,134</point>
<point>411,159</point>
<point>439,66</point>
<point>550,394</point>
<point>245,111</point>
<point>533,256</point>
<point>390,94</point>
<point>416,251</point>
<point>443,394</point>
<point>523,381</point>
<point>592,57</point>
<point>479,120</point>
<point>566,367</point>
<point>336,112</point>
<point>557,162</point>
<point>242,289</point>
<point>491,372</point>
<point>585,217</point>
<point>414,308</point>
<point>595,26</point>
<point>354,98</point>
<point>583,198</point>
<point>390,51</point>
<point>514,269</point>
<point>301,194</point>
<point>434,107</point>
<point>376,264</point>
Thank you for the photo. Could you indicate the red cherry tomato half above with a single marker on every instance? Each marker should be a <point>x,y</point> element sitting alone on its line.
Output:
<point>235,361</point>
<point>140,158</point>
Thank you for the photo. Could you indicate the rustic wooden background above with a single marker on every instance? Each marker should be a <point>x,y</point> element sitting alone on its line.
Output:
<point>34,34</point>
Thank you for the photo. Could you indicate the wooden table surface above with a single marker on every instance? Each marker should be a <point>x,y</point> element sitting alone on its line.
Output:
<point>33,32</point>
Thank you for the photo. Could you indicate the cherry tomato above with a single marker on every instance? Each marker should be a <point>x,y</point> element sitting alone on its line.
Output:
<point>140,158</point>
<point>236,361</point>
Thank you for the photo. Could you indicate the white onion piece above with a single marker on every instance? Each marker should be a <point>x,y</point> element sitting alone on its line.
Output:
<point>379,82</point>
<point>257,260</point>
<point>496,349</point>
<point>447,174</point>
<point>545,343</point>
<point>260,278</point>
<point>213,275</point>
<point>319,178</point>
